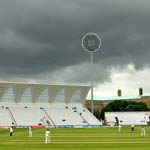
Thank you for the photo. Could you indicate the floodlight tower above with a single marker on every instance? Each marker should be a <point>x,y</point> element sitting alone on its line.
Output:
<point>91,43</point>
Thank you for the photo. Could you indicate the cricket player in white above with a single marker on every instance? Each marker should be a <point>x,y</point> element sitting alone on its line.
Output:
<point>143,133</point>
<point>30,131</point>
<point>119,128</point>
<point>47,136</point>
<point>11,131</point>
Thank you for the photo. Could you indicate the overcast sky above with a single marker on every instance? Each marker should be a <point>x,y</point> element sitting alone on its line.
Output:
<point>40,41</point>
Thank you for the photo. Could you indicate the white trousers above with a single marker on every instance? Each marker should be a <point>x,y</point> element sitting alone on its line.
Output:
<point>47,139</point>
<point>30,133</point>
<point>143,133</point>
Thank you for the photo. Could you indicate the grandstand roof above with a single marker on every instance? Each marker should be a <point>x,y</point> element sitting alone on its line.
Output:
<point>24,92</point>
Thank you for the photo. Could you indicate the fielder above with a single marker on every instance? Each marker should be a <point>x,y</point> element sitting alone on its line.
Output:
<point>11,131</point>
<point>119,128</point>
<point>143,133</point>
<point>132,127</point>
<point>47,136</point>
<point>30,131</point>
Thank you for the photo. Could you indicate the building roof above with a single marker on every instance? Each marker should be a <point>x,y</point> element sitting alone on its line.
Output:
<point>111,98</point>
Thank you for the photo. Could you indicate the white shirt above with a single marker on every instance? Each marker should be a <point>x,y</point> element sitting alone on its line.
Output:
<point>11,129</point>
<point>30,129</point>
<point>143,129</point>
<point>47,133</point>
<point>132,126</point>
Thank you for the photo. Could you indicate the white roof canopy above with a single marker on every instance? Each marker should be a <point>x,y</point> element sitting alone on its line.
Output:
<point>34,93</point>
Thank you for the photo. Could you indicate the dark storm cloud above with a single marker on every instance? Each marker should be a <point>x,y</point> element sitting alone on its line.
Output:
<point>39,37</point>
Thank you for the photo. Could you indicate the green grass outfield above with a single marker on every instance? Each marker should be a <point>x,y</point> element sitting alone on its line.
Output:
<point>76,139</point>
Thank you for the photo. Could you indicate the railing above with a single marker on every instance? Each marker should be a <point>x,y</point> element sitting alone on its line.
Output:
<point>80,114</point>
<point>12,117</point>
<point>53,123</point>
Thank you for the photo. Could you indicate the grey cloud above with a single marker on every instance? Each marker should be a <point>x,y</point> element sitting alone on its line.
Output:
<point>43,37</point>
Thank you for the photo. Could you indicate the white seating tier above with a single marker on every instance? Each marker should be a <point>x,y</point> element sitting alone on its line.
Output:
<point>5,119</point>
<point>27,116</point>
<point>55,114</point>
<point>127,118</point>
